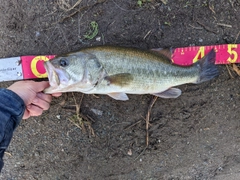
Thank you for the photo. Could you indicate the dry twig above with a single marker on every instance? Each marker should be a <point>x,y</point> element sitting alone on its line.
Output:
<point>79,119</point>
<point>229,72</point>
<point>75,12</point>
<point>9,154</point>
<point>79,10</point>
<point>134,124</point>
<point>237,37</point>
<point>140,153</point>
<point>199,28</point>
<point>236,69</point>
<point>63,3</point>
<point>211,7</point>
<point>148,119</point>
<point>225,25</point>
<point>147,34</point>
<point>232,4</point>
<point>206,27</point>
<point>77,3</point>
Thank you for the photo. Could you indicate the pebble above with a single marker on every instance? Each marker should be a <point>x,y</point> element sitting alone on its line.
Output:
<point>200,40</point>
<point>97,112</point>
<point>98,39</point>
<point>129,152</point>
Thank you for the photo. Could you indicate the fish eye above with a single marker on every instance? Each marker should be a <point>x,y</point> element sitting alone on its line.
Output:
<point>63,62</point>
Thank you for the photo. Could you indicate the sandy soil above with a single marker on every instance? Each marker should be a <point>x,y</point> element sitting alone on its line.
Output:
<point>195,136</point>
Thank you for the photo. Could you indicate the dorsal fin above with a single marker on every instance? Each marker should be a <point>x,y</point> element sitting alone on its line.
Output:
<point>163,51</point>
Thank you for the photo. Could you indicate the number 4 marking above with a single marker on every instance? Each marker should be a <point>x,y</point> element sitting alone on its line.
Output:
<point>200,54</point>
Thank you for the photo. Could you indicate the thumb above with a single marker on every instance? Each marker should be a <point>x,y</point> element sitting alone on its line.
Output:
<point>40,86</point>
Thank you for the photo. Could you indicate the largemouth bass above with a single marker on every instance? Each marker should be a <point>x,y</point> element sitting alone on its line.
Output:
<point>117,71</point>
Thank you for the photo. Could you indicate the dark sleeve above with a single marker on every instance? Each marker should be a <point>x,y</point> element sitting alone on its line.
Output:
<point>11,112</point>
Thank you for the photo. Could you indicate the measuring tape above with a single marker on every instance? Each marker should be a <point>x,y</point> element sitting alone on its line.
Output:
<point>31,67</point>
<point>23,67</point>
<point>225,54</point>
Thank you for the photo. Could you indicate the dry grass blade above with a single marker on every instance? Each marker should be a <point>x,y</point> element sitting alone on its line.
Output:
<point>134,124</point>
<point>147,34</point>
<point>80,120</point>
<point>76,4</point>
<point>66,6</point>
<point>62,102</point>
<point>77,105</point>
<point>225,25</point>
<point>236,69</point>
<point>148,119</point>
<point>200,28</point>
<point>77,11</point>
<point>143,151</point>
<point>9,154</point>
<point>164,1</point>
<point>229,72</point>
<point>206,27</point>
<point>237,37</point>
<point>77,120</point>
<point>211,7</point>
<point>63,4</point>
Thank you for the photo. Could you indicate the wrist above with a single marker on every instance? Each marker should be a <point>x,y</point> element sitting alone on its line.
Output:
<point>18,93</point>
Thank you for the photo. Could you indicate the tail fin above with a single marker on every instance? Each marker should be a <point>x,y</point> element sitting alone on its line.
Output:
<point>208,69</point>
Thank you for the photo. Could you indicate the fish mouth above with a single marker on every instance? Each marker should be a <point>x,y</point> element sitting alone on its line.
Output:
<point>52,74</point>
<point>58,78</point>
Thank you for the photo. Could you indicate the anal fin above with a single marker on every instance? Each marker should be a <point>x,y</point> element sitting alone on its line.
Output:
<point>170,93</point>
<point>119,96</point>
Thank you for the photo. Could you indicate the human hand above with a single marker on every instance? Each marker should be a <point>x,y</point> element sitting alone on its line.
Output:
<point>31,93</point>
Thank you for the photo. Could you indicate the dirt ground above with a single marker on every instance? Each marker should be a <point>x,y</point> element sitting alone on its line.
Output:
<point>196,136</point>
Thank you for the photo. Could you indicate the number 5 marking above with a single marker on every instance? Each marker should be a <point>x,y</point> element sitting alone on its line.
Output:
<point>232,53</point>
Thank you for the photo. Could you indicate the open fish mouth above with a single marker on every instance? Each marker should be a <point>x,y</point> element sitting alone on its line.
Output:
<point>58,78</point>
<point>52,74</point>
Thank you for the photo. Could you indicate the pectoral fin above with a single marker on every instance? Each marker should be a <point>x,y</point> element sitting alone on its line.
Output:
<point>119,96</point>
<point>170,93</point>
<point>121,79</point>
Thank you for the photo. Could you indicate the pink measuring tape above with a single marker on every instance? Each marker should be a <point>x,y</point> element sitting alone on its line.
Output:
<point>225,54</point>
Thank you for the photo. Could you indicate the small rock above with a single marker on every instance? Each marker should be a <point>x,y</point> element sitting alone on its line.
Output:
<point>129,152</point>
<point>98,38</point>
<point>37,34</point>
<point>97,112</point>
